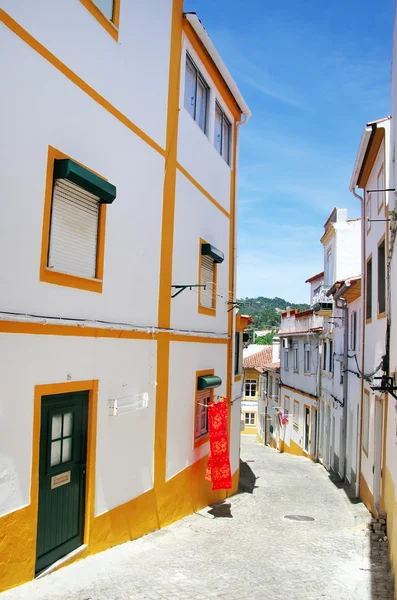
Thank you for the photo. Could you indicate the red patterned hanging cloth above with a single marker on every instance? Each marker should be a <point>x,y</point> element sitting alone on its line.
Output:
<point>218,466</point>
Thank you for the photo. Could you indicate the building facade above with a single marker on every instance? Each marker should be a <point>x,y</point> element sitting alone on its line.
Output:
<point>268,403</point>
<point>254,385</point>
<point>116,328</point>
<point>297,421</point>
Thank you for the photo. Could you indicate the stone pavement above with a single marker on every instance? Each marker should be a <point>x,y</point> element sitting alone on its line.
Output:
<point>243,549</point>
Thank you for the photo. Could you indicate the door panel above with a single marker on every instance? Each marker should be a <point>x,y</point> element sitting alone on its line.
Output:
<point>307,429</point>
<point>63,448</point>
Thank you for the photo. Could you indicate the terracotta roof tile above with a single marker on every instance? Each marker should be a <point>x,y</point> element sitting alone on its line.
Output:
<point>259,360</point>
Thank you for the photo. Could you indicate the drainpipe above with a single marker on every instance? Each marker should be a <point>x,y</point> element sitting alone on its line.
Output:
<point>363,282</point>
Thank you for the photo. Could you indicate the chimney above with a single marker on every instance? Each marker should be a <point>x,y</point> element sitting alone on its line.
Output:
<point>288,311</point>
<point>276,349</point>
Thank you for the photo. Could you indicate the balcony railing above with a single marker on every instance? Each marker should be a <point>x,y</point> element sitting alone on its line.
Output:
<point>320,301</point>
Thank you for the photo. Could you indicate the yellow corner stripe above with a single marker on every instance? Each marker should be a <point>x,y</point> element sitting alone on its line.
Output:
<point>53,60</point>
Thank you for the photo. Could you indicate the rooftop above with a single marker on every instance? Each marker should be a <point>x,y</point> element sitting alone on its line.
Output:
<point>259,360</point>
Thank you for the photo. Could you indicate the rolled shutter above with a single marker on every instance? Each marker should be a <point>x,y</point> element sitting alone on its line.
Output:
<point>203,397</point>
<point>207,278</point>
<point>74,230</point>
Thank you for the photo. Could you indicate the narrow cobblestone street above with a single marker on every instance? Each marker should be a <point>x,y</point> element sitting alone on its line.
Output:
<point>244,549</point>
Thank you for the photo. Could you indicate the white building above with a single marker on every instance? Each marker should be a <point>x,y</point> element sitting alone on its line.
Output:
<point>119,191</point>
<point>341,243</point>
<point>299,383</point>
<point>268,402</point>
<point>372,174</point>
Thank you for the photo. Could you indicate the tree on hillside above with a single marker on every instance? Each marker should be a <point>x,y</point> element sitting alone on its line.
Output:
<point>266,312</point>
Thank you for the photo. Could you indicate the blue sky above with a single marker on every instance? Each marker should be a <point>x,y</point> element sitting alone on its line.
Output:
<point>313,74</point>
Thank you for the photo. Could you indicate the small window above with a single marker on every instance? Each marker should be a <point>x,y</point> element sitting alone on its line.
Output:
<point>207,278</point>
<point>325,355</point>
<point>307,358</point>
<point>250,388</point>
<point>276,388</point>
<point>296,414</point>
<point>196,94</point>
<point>368,297</point>
<point>331,357</point>
<point>223,134</point>
<point>106,7</point>
<point>203,398</point>
<point>369,212</point>
<point>381,279</point>
<point>286,359</point>
<point>286,405</point>
<point>353,330</point>
<point>296,357</point>
<point>380,186</point>
<point>249,418</point>
<point>365,421</point>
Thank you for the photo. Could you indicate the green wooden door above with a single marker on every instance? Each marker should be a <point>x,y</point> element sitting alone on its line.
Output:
<point>63,449</point>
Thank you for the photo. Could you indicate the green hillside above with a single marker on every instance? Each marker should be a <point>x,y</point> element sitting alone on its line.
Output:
<point>266,312</point>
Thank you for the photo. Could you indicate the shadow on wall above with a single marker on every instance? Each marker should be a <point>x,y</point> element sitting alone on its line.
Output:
<point>247,479</point>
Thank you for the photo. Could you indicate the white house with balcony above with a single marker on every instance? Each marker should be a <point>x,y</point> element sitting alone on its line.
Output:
<point>341,243</point>
<point>297,419</point>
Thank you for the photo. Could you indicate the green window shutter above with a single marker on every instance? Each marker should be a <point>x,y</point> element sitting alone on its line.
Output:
<point>68,169</point>
<point>208,382</point>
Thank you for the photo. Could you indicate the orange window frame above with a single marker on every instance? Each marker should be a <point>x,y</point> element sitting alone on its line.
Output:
<point>203,310</point>
<point>381,204</point>
<point>56,277</point>
<point>110,25</point>
<point>202,439</point>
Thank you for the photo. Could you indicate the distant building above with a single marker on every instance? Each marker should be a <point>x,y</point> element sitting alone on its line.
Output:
<point>254,366</point>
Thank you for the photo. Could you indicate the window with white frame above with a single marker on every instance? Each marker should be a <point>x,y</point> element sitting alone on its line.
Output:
<point>325,355</point>
<point>285,359</point>
<point>286,405</point>
<point>250,388</point>
<point>296,414</point>
<point>223,134</point>
<point>203,398</point>
<point>250,418</point>
<point>353,330</point>
<point>296,356</point>
<point>196,94</point>
<point>276,389</point>
<point>106,7</point>
<point>307,360</point>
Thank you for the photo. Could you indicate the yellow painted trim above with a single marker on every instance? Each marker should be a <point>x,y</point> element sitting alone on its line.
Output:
<point>202,190</point>
<point>167,225</point>
<point>367,496</point>
<point>203,438</point>
<point>237,378</point>
<point>391,524</point>
<point>55,277</point>
<point>382,168</point>
<point>203,310</point>
<point>111,26</point>
<point>21,328</point>
<point>19,528</point>
<point>60,66</point>
<point>212,70</point>
<point>328,235</point>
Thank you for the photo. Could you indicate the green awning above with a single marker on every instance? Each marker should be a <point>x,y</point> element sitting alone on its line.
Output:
<point>66,168</point>
<point>216,255</point>
<point>207,382</point>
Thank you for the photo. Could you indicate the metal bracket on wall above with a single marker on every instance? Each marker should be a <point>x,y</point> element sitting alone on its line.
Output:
<point>386,386</point>
<point>182,288</point>
<point>233,305</point>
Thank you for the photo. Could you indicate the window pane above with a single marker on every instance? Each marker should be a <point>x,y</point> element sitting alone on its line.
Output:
<point>369,289</point>
<point>66,449</point>
<point>226,140</point>
<point>218,129</point>
<point>106,7</point>
<point>201,104</point>
<point>190,87</point>
<point>55,453</point>
<point>56,428</point>
<point>381,279</point>
<point>67,424</point>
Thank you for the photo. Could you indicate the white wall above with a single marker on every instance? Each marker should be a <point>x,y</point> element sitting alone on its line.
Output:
<point>131,74</point>
<point>289,432</point>
<point>196,217</point>
<point>124,459</point>
<point>348,250</point>
<point>306,382</point>
<point>185,360</point>
<point>196,151</point>
<point>354,399</point>
<point>54,111</point>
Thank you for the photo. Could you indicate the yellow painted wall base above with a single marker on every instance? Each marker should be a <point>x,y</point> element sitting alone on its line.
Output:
<point>250,430</point>
<point>182,495</point>
<point>294,449</point>
<point>391,512</point>
<point>273,442</point>
<point>367,496</point>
